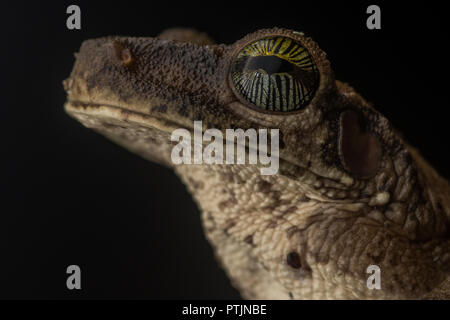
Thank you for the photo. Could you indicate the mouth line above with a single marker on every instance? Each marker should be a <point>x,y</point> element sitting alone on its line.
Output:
<point>119,113</point>
<point>115,112</point>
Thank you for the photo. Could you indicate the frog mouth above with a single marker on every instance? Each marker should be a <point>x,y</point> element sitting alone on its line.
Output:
<point>91,113</point>
<point>99,115</point>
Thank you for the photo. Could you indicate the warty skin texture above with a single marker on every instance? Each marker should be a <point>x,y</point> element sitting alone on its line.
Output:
<point>350,192</point>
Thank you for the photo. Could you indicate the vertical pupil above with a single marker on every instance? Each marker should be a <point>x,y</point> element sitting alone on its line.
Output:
<point>270,64</point>
<point>276,74</point>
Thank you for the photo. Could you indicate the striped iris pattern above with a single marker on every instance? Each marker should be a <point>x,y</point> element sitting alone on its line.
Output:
<point>275,74</point>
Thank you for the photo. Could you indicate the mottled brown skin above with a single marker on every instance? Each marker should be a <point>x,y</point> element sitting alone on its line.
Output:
<point>349,193</point>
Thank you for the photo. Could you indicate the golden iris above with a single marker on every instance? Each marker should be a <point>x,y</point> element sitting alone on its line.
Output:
<point>276,74</point>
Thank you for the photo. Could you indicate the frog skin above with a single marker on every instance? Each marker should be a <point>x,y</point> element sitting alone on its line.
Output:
<point>349,192</point>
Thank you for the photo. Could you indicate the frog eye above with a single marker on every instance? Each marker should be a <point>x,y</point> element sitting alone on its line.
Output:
<point>275,74</point>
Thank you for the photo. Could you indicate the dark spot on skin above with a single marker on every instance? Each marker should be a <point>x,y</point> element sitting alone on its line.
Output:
<point>276,196</point>
<point>249,239</point>
<point>264,186</point>
<point>293,260</point>
<point>291,295</point>
<point>123,53</point>
<point>197,185</point>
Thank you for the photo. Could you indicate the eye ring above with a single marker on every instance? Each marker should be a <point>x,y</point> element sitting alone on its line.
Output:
<point>274,74</point>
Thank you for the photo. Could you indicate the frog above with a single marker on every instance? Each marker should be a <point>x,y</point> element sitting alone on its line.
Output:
<point>350,194</point>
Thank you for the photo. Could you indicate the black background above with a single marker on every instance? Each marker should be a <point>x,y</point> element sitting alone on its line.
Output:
<point>69,196</point>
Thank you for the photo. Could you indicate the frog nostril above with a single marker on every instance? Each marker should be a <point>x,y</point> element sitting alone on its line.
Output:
<point>123,53</point>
